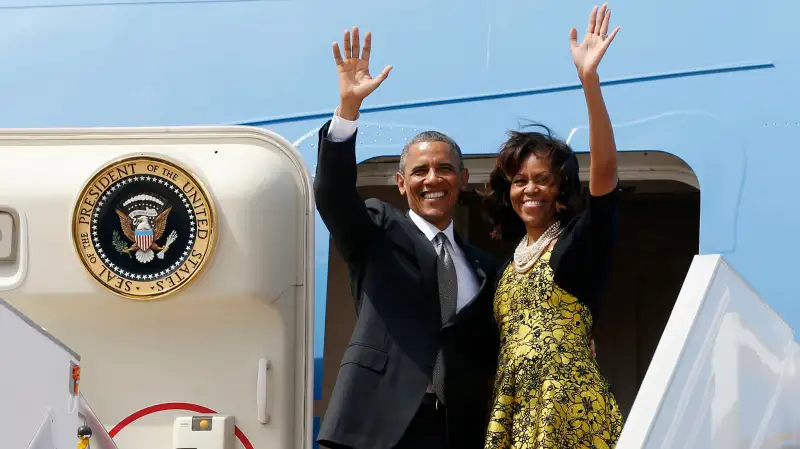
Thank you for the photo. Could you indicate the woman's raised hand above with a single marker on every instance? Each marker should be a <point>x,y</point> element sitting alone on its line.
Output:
<point>588,54</point>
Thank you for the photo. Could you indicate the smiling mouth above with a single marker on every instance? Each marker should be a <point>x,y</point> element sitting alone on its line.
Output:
<point>532,203</point>
<point>432,195</point>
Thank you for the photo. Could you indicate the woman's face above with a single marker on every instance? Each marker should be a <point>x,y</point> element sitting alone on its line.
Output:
<point>533,194</point>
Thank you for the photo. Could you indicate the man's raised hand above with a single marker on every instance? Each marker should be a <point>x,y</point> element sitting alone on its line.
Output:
<point>355,82</point>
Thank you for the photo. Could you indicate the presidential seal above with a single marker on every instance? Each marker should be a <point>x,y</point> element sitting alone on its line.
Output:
<point>144,227</point>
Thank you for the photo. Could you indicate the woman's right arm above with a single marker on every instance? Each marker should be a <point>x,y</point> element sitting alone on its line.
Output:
<point>587,56</point>
<point>583,266</point>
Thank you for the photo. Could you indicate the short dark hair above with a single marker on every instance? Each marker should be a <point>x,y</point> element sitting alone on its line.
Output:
<point>431,136</point>
<point>497,208</point>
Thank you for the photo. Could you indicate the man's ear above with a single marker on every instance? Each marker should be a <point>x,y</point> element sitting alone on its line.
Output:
<point>464,178</point>
<point>401,183</point>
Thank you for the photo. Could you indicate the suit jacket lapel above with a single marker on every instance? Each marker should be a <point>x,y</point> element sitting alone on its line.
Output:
<point>426,258</point>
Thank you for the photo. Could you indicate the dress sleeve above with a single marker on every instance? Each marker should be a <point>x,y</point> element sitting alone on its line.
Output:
<point>582,257</point>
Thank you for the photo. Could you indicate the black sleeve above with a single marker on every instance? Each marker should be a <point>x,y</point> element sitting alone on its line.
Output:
<point>341,208</point>
<point>582,257</point>
<point>491,341</point>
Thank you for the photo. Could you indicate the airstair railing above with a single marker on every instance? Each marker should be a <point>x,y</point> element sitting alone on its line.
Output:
<point>725,374</point>
<point>100,438</point>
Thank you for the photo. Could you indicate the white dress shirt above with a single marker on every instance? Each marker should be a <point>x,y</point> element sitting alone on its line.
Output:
<point>340,130</point>
<point>467,282</point>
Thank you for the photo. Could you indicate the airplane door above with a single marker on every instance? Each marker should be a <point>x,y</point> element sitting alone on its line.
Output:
<point>178,263</point>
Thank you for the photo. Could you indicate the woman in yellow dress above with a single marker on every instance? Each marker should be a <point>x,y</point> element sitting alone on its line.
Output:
<point>549,391</point>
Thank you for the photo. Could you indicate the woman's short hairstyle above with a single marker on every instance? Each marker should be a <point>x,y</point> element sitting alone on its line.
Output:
<point>514,152</point>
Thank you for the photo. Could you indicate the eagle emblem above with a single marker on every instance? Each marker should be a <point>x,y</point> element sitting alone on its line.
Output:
<point>143,219</point>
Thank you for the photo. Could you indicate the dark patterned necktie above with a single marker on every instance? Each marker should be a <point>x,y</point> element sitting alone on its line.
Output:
<point>448,292</point>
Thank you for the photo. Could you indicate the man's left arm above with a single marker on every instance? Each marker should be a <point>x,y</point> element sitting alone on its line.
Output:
<point>489,334</point>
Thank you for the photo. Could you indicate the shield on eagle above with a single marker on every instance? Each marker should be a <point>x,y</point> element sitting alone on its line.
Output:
<point>144,238</point>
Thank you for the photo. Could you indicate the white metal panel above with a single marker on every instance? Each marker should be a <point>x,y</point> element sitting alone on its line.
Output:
<point>202,345</point>
<point>35,379</point>
<point>781,427</point>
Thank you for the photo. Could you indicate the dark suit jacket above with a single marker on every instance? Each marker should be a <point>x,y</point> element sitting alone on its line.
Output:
<point>389,362</point>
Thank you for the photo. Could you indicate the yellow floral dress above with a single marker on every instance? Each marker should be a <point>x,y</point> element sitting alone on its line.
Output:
<point>549,391</point>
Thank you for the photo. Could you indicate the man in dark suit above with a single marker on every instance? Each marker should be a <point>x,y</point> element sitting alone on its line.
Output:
<point>417,372</point>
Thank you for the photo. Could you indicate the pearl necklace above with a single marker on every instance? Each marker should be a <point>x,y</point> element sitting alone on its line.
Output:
<point>526,256</point>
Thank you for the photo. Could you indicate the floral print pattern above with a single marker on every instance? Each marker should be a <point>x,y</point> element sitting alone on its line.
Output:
<point>549,391</point>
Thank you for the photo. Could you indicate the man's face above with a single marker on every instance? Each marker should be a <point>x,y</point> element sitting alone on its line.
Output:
<point>431,181</point>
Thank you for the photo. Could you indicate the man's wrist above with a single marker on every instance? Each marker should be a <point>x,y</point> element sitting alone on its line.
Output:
<point>348,109</point>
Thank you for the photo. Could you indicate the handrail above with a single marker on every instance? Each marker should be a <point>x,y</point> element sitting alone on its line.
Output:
<point>100,437</point>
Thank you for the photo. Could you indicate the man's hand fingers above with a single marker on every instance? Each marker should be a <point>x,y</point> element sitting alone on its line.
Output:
<point>337,55</point>
<point>384,73</point>
<point>367,47</point>
<point>356,44</point>
<point>347,48</point>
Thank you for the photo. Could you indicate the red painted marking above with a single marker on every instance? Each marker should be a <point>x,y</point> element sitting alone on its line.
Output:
<point>174,406</point>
